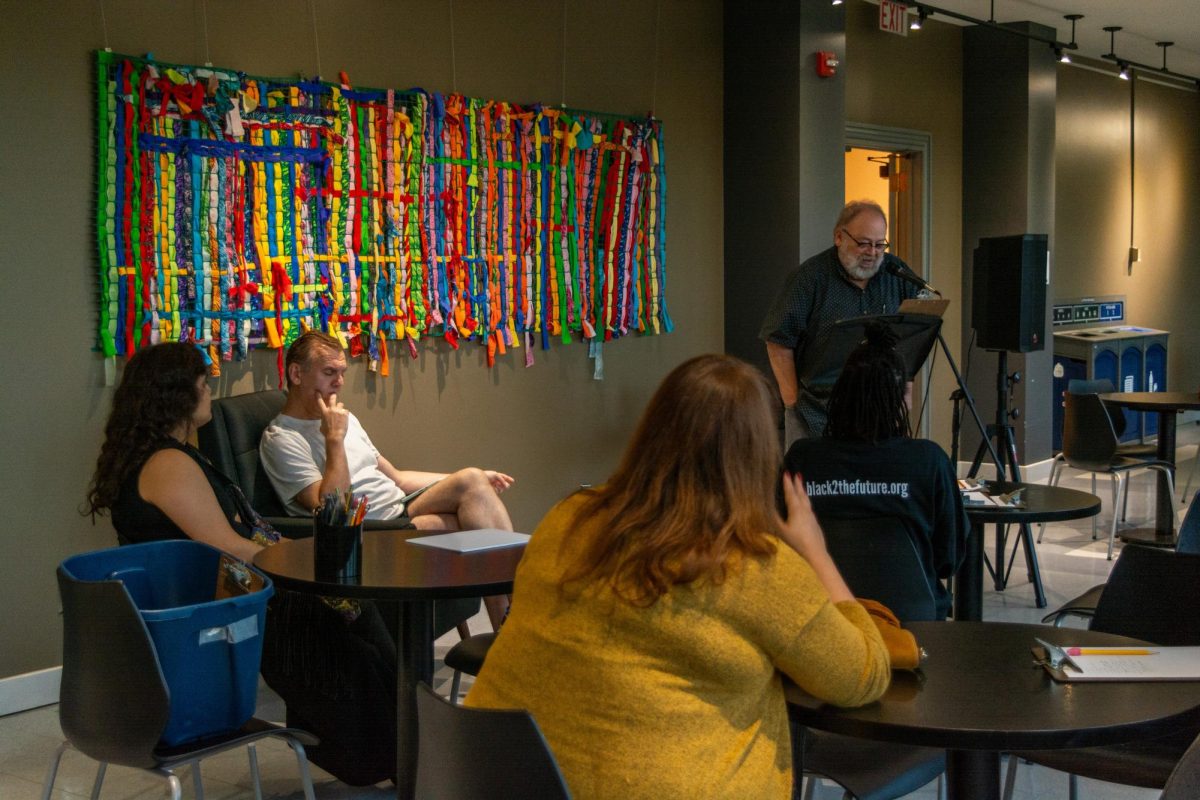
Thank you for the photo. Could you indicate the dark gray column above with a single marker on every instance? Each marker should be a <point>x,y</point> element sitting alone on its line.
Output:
<point>784,152</point>
<point>1009,88</point>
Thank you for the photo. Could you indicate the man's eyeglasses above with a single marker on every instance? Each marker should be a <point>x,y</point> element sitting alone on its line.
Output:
<point>867,244</point>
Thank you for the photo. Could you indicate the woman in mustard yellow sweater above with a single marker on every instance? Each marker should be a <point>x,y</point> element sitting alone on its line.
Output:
<point>653,618</point>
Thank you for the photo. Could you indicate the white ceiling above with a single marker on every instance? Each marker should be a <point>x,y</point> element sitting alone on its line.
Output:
<point>1144,22</point>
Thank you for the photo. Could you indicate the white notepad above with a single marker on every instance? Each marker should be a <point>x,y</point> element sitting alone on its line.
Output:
<point>1165,664</point>
<point>473,541</point>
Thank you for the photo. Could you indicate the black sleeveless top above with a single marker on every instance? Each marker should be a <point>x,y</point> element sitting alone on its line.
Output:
<point>138,520</point>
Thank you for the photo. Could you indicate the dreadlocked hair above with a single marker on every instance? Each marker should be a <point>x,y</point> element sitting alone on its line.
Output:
<point>867,402</point>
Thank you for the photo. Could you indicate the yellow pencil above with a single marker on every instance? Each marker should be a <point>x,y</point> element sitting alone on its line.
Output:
<point>1109,651</point>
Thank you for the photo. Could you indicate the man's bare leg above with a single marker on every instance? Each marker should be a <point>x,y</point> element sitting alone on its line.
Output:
<point>464,500</point>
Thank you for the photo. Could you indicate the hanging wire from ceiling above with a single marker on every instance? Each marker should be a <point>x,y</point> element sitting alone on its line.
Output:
<point>312,7</point>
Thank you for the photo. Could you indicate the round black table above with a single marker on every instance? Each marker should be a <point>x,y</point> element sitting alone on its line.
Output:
<point>980,694</point>
<point>412,576</point>
<point>1167,405</point>
<point>1041,504</point>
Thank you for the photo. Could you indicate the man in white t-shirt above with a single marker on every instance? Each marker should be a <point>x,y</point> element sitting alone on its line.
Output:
<point>316,446</point>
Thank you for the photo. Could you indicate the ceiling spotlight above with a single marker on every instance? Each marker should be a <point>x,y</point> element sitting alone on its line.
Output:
<point>916,24</point>
<point>1061,55</point>
<point>837,2</point>
<point>1124,73</point>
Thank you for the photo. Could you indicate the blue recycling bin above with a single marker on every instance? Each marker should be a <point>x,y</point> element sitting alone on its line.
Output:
<point>209,649</point>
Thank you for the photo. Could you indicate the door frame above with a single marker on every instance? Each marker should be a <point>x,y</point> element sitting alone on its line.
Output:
<point>881,137</point>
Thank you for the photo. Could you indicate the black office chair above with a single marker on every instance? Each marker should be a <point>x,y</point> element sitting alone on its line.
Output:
<point>879,561</point>
<point>1105,386</point>
<point>467,657</point>
<point>1184,783</point>
<point>230,441</point>
<point>114,701</point>
<point>1084,605</point>
<point>1150,595</point>
<point>482,754</point>
<point>1090,444</point>
<point>1138,450</point>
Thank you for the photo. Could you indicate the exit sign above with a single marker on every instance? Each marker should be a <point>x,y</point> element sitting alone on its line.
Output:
<point>893,17</point>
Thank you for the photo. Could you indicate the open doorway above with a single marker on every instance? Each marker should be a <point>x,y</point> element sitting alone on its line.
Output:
<point>891,167</point>
<point>892,178</point>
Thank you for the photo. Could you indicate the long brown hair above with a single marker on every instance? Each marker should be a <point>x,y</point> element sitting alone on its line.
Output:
<point>694,490</point>
<point>156,393</point>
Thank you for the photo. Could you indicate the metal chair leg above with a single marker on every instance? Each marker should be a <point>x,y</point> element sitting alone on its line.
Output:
<point>1010,777</point>
<point>48,784</point>
<point>1122,490</point>
<point>99,782</point>
<point>302,766</point>
<point>1095,518</point>
<point>197,783</point>
<point>810,787</point>
<point>454,684</point>
<point>1073,787</point>
<point>252,755</point>
<point>1183,498</point>
<point>1055,476</point>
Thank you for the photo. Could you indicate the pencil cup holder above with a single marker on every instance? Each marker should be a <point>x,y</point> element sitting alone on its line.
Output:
<point>337,552</point>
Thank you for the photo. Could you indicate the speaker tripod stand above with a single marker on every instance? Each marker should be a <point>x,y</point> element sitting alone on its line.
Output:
<point>1004,455</point>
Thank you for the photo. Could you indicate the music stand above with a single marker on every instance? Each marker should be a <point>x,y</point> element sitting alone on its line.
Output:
<point>820,362</point>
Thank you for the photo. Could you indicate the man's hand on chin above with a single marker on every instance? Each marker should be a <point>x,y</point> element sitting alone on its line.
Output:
<point>335,419</point>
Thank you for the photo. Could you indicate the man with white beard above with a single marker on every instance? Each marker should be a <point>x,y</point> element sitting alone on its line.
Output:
<point>850,279</point>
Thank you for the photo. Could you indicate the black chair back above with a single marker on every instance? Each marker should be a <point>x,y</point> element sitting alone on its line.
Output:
<point>1089,441</point>
<point>230,442</point>
<point>879,560</point>
<point>1151,595</point>
<point>113,701</point>
<point>482,754</point>
<point>1098,386</point>
<point>1184,783</point>
<point>1189,529</point>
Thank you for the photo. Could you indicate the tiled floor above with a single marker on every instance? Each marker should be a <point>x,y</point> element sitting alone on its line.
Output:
<point>1071,562</point>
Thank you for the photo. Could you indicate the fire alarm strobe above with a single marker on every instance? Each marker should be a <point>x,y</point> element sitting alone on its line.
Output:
<point>827,64</point>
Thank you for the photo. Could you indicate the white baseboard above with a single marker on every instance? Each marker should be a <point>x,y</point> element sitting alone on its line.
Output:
<point>29,690</point>
<point>1037,472</point>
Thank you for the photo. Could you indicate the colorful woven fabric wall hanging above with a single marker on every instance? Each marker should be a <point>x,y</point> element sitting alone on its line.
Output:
<point>236,212</point>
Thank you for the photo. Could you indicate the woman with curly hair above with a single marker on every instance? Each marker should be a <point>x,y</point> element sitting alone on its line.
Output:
<point>331,660</point>
<point>653,618</point>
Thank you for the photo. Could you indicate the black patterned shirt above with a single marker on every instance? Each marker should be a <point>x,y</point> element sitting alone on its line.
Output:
<point>818,294</point>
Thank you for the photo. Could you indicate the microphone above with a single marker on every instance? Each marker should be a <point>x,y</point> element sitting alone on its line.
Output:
<point>905,274</point>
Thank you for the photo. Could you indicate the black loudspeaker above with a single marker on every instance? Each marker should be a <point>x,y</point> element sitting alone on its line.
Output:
<point>1008,305</point>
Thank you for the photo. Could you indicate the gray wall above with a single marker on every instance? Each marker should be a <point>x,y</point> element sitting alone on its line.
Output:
<point>1093,205</point>
<point>783,158</point>
<point>551,426</point>
<point>1008,179</point>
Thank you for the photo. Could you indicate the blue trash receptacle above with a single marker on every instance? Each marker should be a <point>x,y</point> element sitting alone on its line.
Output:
<point>209,649</point>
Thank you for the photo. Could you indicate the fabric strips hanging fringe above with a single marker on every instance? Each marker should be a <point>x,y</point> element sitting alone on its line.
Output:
<point>237,212</point>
